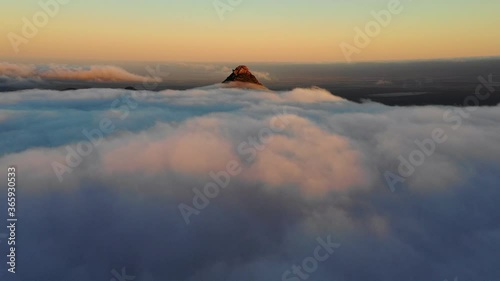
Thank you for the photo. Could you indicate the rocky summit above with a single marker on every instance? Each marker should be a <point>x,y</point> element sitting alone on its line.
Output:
<point>242,74</point>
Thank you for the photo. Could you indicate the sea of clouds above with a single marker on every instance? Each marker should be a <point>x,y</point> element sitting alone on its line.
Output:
<point>233,184</point>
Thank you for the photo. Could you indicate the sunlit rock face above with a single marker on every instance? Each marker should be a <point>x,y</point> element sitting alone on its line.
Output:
<point>243,78</point>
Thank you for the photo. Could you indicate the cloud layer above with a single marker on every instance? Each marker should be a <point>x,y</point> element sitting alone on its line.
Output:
<point>291,166</point>
<point>94,73</point>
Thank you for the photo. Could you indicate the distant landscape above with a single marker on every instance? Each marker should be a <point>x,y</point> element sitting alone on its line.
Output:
<point>438,82</point>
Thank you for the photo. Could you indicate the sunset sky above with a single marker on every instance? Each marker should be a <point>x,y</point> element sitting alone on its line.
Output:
<point>256,30</point>
<point>193,140</point>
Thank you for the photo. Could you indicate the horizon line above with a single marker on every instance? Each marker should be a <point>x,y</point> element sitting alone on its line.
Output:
<point>60,60</point>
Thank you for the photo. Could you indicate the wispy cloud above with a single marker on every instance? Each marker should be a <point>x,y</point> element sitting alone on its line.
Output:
<point>97,73</point>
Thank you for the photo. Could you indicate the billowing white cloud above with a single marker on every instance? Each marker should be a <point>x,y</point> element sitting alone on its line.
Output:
<point>267,173</point>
